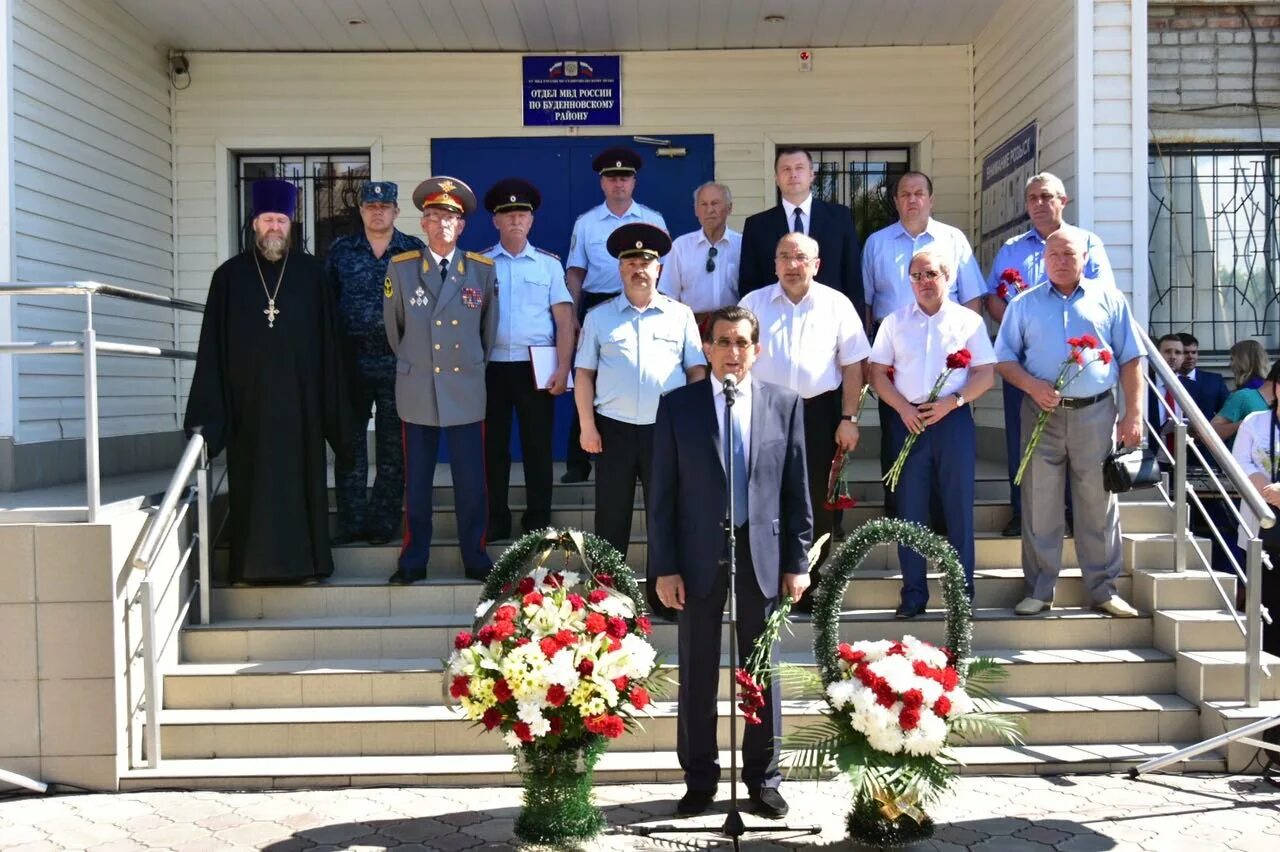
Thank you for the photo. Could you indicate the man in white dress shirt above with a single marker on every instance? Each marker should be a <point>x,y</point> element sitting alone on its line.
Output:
<point>914,341</point>
<point>702,269</point>
<point>812,341</point>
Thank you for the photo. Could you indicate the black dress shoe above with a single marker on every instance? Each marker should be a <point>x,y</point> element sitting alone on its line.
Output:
<point>380,537</point>
<point>1013,529</point>
<point>405,578</point>
<point>906,611</point>
<point>480,574</point>
<point>498,532</point>
<point>339,539</point>
<point>768,803</point>
<point>574,475</point>
<point>695,802</point>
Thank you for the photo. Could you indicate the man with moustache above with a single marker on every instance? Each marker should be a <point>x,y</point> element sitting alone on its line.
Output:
<point>702,269</point>
<point>270,387</point>
<point>357,266</point>
<point>633,349</point>
<point>688,544</point>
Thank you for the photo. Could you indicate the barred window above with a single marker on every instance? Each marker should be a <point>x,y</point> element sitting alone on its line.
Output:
<point>1213,253</point>
<point>328,200</point>
<point>861,178</point>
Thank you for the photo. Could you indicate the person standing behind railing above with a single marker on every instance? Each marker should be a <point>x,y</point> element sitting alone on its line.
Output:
<point>1252,393</point>
<point>1257,449</point>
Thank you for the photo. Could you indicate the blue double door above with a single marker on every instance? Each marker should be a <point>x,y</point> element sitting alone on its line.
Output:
<point>561,169</point>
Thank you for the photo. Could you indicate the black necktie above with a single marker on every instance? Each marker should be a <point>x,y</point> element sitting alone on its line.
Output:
<point>444,268</point>
<point>799,225</point>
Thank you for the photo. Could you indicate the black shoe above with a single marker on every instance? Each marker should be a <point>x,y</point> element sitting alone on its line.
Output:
<point>498,532</point>
<point>768,803</point>
<point>574,475</point>
<point>313,581</point>
<point>339,539</point>
<point>480,574</point>
<point>406,578</point>
<point>380,537</point>
<point>1013,529</point>
<point>695,802</point>
<point>906,611</point>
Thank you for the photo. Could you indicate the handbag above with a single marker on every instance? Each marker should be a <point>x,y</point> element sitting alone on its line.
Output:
<point>1127,468</point>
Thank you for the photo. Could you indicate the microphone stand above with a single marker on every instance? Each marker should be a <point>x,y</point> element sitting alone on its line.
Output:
<point>733,827</point>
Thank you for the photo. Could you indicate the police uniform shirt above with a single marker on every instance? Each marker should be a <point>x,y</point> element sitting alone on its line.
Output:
<point>886,260</point>
<point>588,249</point>
<point>805,346</point>
<point>1025,253</point>
<point>685,277</point>
<point>638,355</point>
<point>529,283</point>
<point>916,345</point>
<point>358,274</point>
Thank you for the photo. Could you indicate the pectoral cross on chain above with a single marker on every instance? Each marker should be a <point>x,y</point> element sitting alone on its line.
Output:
<point>272,312</point>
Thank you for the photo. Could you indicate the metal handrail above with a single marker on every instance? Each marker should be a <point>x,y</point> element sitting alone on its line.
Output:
<point>90,347</point>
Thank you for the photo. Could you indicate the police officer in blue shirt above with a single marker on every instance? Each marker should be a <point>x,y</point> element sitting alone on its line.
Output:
<point>534,309</point>
<point>357,267</point>
<point>593,276</point>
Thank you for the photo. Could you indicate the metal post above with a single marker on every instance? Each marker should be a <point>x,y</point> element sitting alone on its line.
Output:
<point>1253,623</point>
<point>203,503</point>
<point>151,675</point>
<point>92,480</point>
<point>1181,520</point>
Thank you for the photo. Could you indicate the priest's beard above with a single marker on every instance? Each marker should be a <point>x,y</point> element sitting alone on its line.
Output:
<point>273,248</point>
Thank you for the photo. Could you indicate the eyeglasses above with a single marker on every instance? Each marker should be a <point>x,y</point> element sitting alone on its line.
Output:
<point>442,218</point>
<point>711,258</point>
<point>796,258</point>
<point>930,274</point>
<point>741,343</point>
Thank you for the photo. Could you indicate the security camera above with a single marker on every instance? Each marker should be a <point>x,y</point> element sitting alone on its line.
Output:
<point>178,63</point>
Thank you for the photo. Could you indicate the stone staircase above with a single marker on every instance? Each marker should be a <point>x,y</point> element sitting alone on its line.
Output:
<point>342,683</point>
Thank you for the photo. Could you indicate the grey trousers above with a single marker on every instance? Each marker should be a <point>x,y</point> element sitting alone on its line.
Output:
<point>1074,443</point>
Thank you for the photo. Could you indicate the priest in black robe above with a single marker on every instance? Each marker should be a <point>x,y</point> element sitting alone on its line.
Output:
<point>270,387</point>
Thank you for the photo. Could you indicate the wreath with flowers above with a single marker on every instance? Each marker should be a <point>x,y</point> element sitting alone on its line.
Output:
<point>559,662</point>
<point>894,707</point>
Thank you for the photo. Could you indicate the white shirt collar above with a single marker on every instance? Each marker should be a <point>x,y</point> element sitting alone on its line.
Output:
<point>717,387</point>
<point>805,206</point>
<point>439,257</point>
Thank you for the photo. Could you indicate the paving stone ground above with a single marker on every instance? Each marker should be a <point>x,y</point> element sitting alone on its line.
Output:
<point>1159,813</point>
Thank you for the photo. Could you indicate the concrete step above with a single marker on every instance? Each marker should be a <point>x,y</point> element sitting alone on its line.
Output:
<point>871,589</point>
<point>1219,675</point>
<point>420,635</point>
<point>1218,717</point>
<point>617,767</point>
<point>400,730</point>
<point>991,550</point>
<point>419,682</point>
<point>1197,630</point>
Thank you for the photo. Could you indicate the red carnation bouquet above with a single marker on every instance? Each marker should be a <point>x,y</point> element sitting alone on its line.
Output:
<point>1085,349</point>
<point>957,360</point>
<point>1011,284</point>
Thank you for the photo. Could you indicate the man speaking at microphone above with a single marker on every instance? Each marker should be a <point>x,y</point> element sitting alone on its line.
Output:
<point>688,563</point>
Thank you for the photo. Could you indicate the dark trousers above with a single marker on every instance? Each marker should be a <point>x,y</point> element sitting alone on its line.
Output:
<point>358,512</point>
<point>510,387</point>
<point>576,459</point>
<point>626,454</point>
<point>821,419</point>
<point>887,454</point>
<point>471,506</point>
<point>1013,446</point>
<point>939,467</point>
<point>1271,600</point>
<point>699,642</point>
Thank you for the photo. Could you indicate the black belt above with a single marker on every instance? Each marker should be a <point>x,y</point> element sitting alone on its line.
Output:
<point>1076,402</point>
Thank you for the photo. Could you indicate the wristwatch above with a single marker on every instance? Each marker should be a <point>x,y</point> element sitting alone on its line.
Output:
<point>959,401</point>
<point>852,418</point>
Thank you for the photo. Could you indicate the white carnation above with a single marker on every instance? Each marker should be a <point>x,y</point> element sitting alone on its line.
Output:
<point>540,727</point>
<point>840,693</point>
<point>961,703</point>
<point>529,711</point>
<point>886,739</point>
<point>874,650</point>
<point>617,604</point>
<point>927,737</point>
<point>483,607</point>
<point>897,671</point>
<point>511,740</point>
<point>918,650</point>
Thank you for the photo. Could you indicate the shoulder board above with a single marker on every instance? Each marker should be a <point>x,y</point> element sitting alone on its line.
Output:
<point>479,258</point>
<point>547,253</point>
<point>493,247</point>
<point>407,255</point>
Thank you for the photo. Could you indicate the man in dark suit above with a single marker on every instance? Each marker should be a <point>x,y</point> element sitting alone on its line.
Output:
<point>828,223</point>
<point>1207,388</point>
<point>688,544</point>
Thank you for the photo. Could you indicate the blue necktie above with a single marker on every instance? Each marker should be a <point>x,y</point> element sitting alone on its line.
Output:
<point>739,467</point>
<point>444,268</point>
<point>799,223</point>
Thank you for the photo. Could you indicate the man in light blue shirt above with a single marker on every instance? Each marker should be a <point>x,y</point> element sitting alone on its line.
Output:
<point>534,309</point>
<point>632,349</point>
<point>1082,427</point>
<point>592,276</point>
<point>1021,258</point>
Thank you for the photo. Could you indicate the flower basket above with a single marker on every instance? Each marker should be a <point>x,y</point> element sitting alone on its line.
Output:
<point>894,707</point>
<point>558,662</point>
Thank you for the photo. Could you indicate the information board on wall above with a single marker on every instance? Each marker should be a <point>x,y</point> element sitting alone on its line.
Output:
<point>1003,210</point>
<point>561,91</point>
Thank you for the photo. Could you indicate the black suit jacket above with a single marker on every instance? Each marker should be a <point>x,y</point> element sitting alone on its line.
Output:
<point>1208,389</point>
<point>830,224</point>
<point>688,495</point>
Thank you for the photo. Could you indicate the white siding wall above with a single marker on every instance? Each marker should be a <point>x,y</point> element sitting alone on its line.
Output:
<point>93,200</point>
<point>395,103</point>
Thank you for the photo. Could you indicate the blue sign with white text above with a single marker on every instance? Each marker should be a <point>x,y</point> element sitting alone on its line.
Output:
<point>572,90</point>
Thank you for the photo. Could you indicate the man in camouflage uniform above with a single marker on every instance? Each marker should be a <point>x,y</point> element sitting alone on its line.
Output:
<point>357,267</point>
